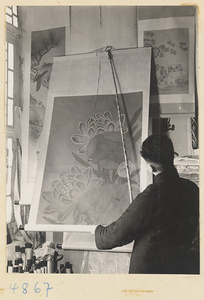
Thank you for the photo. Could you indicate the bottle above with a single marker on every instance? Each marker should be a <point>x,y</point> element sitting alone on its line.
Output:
<point>26,271</point>
<point>62,269</point>
<point>35,269</point>
<point>20,266</point>
<point>17,253</point>
<point>15,267</point>
<point>29,264</point>
<point>38,268</point>
<point>41,266</point>
<point>33,260</point>
<point>20,262</point>
<point>50,265</point>
<point>9,266</point>
<point>45,267</point>
<point>20,269</point>
<point>23,256</point>
<point>28,251</point>
<point>68,267</point>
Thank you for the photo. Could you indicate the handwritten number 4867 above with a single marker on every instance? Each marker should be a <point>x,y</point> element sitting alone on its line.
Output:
<point>36,288</point>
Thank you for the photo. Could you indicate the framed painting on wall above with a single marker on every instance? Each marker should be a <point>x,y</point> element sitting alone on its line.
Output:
<point>82,175</point>
<point>172,76</point>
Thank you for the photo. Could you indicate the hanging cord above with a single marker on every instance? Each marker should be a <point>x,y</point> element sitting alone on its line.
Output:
<point>100,8</point>
<point>98,82</point>
<point>70,27</point>
<point>110,57</point>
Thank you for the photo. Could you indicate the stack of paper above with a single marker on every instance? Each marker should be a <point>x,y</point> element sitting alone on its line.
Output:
<point>188,168</point>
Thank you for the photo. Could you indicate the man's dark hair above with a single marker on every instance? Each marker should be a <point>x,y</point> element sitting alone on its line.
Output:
<point>158,148</point>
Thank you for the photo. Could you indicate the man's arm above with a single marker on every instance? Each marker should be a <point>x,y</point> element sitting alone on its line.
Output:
<point>129,226</point>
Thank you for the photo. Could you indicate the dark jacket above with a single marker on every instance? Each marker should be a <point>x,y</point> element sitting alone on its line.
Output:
<point>162,221</point>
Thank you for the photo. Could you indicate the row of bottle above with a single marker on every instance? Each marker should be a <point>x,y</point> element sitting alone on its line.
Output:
<point>32,266</point>
<point>23,253</point>
<point>39,267</point>
<point>24,261</point>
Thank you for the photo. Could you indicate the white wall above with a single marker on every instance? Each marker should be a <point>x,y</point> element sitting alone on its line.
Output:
<point>95,27</point>
<point>87,28</point>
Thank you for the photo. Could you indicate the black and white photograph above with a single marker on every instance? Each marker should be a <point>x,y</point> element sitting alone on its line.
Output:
<point>102,149</point>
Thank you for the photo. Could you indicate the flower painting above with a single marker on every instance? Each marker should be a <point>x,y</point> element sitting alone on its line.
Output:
<point>171,58</point>
<point>45,45</point>
<point>100,139</point>
<point>85,177</point>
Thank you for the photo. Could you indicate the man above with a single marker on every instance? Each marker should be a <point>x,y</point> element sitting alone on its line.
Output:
<point>162,220</point>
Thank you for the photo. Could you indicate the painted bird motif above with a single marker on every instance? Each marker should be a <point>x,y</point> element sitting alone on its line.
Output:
<point>42,77</point>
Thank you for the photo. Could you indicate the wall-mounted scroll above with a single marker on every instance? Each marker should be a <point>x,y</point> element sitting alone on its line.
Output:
<point>81,179</point>
<point>172,75</point>
<point>44,45</point>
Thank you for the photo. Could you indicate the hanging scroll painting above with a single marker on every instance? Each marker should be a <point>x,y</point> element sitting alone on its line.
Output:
<point>82,176</point>
<point>45,45</point>
<point>172,77</point>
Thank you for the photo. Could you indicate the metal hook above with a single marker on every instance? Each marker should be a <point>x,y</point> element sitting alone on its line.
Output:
<point>169,126</point>
<point>108,49</point>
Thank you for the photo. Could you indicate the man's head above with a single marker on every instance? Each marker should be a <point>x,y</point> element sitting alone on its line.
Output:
<point>158,151</point>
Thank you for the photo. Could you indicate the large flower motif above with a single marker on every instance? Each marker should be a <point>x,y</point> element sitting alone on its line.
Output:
<point>99,124</point>
<point>67,194</point>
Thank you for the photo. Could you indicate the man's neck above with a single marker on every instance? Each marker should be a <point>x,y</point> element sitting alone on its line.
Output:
<point>156,173</point>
